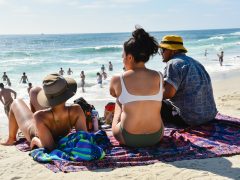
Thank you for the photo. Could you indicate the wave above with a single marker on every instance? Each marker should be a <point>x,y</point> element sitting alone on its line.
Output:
<point>98,49</point>
<point>8,54</point>
<point>211,39</point>
<point>235,33</point>
<point>217,37</point>
<point>90,49</point>
<point>62,51</point>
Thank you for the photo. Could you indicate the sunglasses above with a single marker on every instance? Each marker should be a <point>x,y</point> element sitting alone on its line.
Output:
<point>162,50</point>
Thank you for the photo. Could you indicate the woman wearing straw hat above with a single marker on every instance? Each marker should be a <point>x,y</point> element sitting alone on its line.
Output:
<point>187,85</point>
<point>45,127</point>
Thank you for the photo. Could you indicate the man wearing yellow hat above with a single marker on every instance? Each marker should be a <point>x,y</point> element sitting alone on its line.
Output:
<point>187,85</point>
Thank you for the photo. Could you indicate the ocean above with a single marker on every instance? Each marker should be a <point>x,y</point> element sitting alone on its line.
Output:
<point>39,55</point>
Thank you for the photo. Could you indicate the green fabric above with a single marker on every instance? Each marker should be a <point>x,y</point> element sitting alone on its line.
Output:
<point>141,140</point>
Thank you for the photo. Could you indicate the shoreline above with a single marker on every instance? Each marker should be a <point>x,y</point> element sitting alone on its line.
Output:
<point>226,90</point>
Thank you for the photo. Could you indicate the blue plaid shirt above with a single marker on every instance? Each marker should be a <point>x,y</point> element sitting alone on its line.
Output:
<point>194,95</point>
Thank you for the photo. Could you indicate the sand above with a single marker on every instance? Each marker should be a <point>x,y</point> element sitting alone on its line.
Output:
<point>18,165</point>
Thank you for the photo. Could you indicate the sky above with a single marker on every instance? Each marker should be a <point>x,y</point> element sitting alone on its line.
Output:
<point>99,16</point>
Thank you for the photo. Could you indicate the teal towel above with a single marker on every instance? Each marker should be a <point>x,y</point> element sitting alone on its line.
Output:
<point>79,146</point>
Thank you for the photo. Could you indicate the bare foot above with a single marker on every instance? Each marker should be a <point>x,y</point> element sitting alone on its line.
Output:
<point>9,142</point>
<point>35,142</point>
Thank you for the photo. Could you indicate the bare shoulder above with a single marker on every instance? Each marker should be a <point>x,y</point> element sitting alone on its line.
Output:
<point>115,79</point>
<point>76,109</point>
<point>41,116</point>
<point>155,73</point>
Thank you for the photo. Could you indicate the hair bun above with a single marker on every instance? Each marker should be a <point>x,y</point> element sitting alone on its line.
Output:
<point>140,33</point>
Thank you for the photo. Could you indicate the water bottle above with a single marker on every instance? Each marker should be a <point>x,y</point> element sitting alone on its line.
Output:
<point>95,120</point>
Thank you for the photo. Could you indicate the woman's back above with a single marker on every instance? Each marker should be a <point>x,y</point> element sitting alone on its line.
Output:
<point>141,91</point>
<point>137,121</point>
<point>59,121</point>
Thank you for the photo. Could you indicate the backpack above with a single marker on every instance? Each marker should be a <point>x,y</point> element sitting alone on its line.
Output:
<point>109,112</point>
<point>87,109</point>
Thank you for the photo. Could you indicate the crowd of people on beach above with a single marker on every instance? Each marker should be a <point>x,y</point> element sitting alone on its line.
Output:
<point>102,75</point>
<point>145,99</point>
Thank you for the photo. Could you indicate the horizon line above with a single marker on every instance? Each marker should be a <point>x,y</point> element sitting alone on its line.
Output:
<point>154,31</point>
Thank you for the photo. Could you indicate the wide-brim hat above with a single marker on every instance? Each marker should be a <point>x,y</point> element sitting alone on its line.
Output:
<point>172,42</point>
<point>56,90</point>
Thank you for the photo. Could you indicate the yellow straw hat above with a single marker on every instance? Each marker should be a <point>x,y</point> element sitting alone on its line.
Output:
<point>172,42</point>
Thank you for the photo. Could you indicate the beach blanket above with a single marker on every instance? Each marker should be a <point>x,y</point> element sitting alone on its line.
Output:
<point>220,137</point>
<point>77,146</point>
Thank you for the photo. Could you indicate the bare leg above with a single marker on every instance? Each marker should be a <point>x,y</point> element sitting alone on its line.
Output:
<point>35,106</point>
<point>117,132</point>
<point>20,117</point>
<point>12,129</point>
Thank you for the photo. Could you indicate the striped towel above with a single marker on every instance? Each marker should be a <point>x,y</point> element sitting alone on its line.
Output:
<point>78,146</point>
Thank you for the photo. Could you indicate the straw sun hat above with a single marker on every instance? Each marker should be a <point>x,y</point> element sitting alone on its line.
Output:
<point>56,90</point>
<point>172,42</point>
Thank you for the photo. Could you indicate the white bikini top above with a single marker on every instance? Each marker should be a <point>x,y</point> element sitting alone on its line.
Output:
<point>126,97</point>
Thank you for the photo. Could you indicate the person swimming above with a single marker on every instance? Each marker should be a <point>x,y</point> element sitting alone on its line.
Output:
<point>24,78</point>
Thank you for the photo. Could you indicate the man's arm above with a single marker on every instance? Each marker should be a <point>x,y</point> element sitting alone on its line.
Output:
<point>1,98</point>
<point>14,92</point>
<point>169,91</point>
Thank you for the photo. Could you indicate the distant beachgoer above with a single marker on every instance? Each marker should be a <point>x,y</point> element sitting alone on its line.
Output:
<point>188,89</point>
<point>99,79</point>
<point>45,127</point>
<point>6,97</point>
<point>61,72</point>
<point>82,76</point>
<point>220,56</point>
<point>24,78</point>
<point>104,75</point>
<point>8,82</point>
<point>138,91</point>
<point>29,87</point>
<point>69,72</point>
<point>4,77</point>
<point>110,66</point>
<point>205,53</point>
<point>103,67</point>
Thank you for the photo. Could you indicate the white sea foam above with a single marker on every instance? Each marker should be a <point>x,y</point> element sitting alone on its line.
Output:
<point>235,33</point>
<point>217,37</point>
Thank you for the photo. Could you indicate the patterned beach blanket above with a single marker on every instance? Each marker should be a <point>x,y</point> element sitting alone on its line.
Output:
<point>220,137</point>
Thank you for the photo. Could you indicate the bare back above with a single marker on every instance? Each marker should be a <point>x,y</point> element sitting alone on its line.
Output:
<point>52,124</point>
<point>6,95</point>
<point>140,117</point>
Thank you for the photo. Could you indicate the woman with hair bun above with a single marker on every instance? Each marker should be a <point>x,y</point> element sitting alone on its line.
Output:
<point>137,121</point>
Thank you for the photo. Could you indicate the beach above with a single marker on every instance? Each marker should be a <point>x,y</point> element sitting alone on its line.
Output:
<point>15,164</point>
<point>39,55</point>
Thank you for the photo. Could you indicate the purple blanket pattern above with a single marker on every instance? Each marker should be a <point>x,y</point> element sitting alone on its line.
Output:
<point>220,137</point>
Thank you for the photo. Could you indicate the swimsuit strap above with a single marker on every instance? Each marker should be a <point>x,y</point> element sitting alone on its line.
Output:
<point>53,115</point>
<point>161,83</point>
<point>69,120</point>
